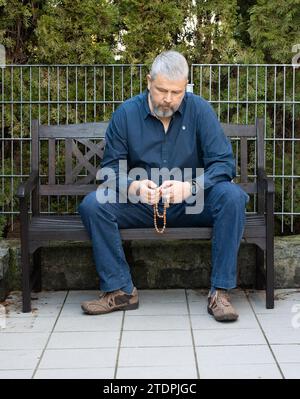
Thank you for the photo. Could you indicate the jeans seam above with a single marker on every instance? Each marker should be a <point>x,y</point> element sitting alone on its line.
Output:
<point>120,259</point>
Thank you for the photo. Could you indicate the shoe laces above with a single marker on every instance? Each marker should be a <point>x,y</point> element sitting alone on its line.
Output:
<point>221,297</point>
<point>110,298</point>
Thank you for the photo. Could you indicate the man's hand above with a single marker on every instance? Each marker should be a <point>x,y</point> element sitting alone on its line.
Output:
<point>174,191</point>
<point>147,191</point>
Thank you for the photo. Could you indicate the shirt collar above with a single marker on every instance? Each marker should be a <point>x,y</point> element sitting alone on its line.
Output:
<point>146,110</point>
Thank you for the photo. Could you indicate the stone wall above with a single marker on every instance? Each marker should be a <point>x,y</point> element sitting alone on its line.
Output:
<point>154,264</point>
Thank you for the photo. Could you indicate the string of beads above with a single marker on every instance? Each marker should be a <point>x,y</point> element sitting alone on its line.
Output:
<point>163,216</point>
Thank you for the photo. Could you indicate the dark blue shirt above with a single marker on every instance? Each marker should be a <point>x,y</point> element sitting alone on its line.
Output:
<point>194,139</point>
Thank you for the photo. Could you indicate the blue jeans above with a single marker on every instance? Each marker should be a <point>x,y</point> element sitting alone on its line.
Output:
<point>224,209</point>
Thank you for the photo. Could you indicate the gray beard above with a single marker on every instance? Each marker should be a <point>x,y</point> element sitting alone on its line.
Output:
<point>159,113</point>
<point>163,114</point>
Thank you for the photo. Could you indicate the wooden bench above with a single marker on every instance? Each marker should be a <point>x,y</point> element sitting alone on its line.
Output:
<point>39,229</point>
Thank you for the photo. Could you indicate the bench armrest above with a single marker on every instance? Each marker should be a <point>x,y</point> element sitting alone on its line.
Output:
<point>26,187</point>
<point>268,182</point>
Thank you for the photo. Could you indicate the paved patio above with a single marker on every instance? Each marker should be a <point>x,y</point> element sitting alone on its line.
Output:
<point>169,336</point>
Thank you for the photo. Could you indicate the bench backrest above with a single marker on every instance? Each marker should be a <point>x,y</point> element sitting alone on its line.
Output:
<point>81,148</point>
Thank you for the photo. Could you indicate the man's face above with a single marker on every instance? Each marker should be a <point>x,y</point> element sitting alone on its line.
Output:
<point>166,95</point>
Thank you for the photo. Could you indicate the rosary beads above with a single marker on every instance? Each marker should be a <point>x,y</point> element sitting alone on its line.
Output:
<point>161,216</point>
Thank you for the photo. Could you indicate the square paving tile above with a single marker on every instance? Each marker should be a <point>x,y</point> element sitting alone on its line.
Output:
<point>147,308</point>
<point>12,341</point>
<point>19,359</point>
<point>109,322</point>
<point>16,374</point>
<point>235,336</point>
<point>76,374</point>
<point>170,372</point>
<point>29,324</point>
<point>283,335</point>
<point>156,323</point>
<point>291,370</point>
<point>244,371</point>
<point>135,339</point>
<point>238,355</point>
<point>140,357</point>
<point>287,353</point>
<point>280,320</point>
<point>78,358</point>
<point>84,339</point>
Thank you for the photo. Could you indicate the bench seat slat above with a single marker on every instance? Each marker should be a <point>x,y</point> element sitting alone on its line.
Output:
<point>80,130</point>
<point>70,228</point>
<point>83,189</point>
<point>67,189</point>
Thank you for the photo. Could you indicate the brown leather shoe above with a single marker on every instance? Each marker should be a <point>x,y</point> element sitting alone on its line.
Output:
<point>220,307</point>
<point>112,301</point>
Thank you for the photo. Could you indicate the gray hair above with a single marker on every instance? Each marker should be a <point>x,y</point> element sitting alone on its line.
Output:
<point>171,64</point>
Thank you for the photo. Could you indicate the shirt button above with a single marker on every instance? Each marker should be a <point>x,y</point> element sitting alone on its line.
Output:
<point>183,127</point>
<point>165,160</point>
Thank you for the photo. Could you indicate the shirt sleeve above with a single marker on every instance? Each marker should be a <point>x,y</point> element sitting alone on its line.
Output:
<point>115,155</point>
<point>215,149</point>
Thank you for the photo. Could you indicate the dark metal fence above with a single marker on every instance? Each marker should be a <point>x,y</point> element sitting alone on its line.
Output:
<point>56,94</point>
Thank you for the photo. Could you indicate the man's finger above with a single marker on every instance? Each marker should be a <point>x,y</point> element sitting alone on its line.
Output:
<point>151,184</point>
<point>167,183</point>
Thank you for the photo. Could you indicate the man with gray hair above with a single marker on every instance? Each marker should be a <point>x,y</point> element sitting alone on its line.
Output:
<point>166,127</point>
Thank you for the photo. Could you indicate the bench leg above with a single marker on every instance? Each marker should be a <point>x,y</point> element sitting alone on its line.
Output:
<point>260,280</point>
<point>37,270</point>
<point>270,273</point>
<point>25,257</point>
<point>25,261</point>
